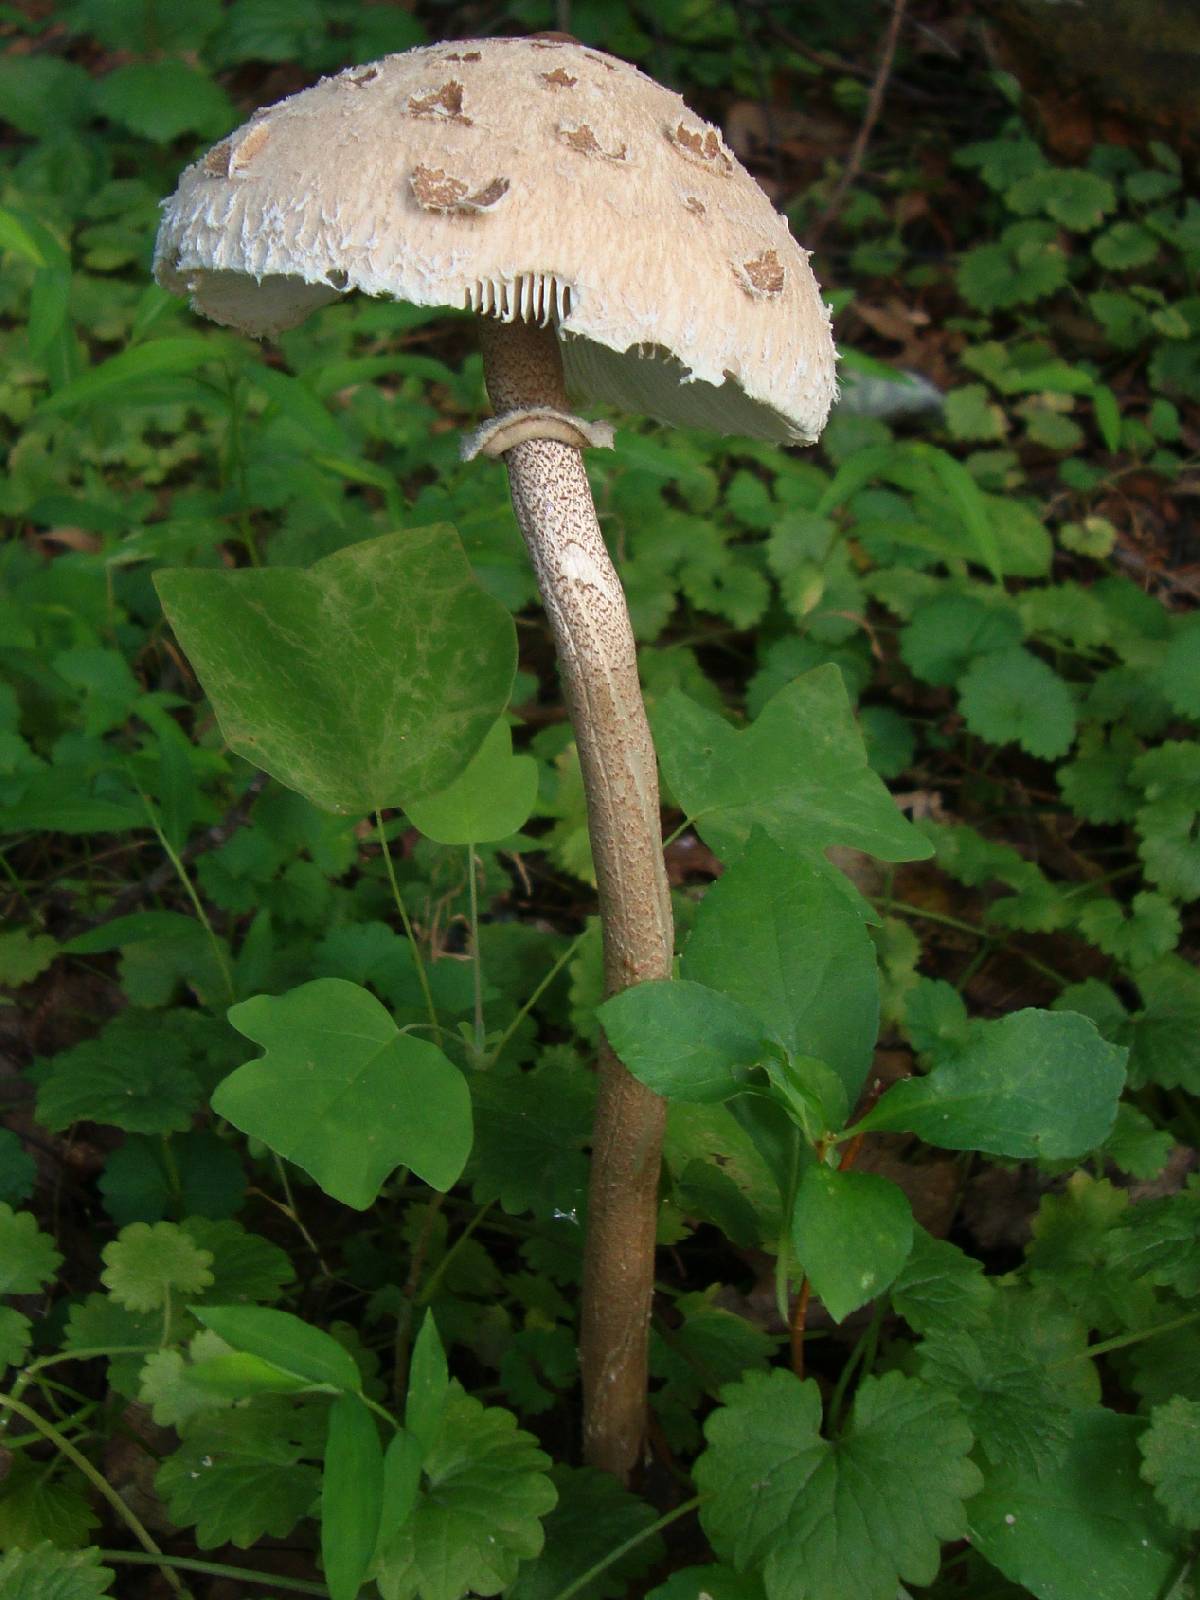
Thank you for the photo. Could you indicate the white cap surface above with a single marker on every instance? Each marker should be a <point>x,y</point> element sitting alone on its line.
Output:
<point>520,178</point>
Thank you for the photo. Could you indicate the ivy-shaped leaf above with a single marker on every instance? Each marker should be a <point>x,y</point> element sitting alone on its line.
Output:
<point>344,1094</point>
<point>36,1505</point>
<point>824,1519</point>
<point>799,772</point>
<point>366,681</point>
<point>1013,696</point>
<point>45,1573</point>
<point>594,1516</point>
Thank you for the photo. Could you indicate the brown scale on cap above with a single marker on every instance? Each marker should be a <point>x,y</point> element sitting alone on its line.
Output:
<point>231,156</point>
<point>694,205</point>
<point>358,79</point>
<point>444,102</point>
<point>558,79</point>
<point>764,275</point>
<point>468,55</point>
<point>703,145</point>
<point>435,190</point>
<point>586,143</point>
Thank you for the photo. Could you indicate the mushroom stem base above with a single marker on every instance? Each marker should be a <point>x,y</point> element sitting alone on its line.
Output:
<point>597,659</point>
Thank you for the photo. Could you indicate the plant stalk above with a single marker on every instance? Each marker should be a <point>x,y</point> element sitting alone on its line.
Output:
<point>597,660</point>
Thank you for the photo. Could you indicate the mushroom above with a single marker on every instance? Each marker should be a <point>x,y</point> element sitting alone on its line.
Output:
<point>612,246</point>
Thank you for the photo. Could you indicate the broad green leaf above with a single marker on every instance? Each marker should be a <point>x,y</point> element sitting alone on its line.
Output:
<point>778,934</point>
<point>489,800</point>
<point>948,631</point>
<point>401,1485</point>
<point>23,955</point>
<point>1170,1450</point>
<point>287,1342</point>
<point>147,1263</point>
<point>45,1573</point>
<point>344,1094</point>
<point>824,1520</point>
<point>428,1387</point>
<point>1032,1084</point>
<point>852,1232</point>
<point>707,1348</point>
<point>1012,695</point>
<point>18,1170</point>
<point>236,1375</point>
<point>1020,1413</point>
<point>594,1517</point>
<point>162,99</point>
<point>709,1136</point>
<point>244,1473</point>
<point>166,1383</point>
<point>351,1496</point>
<point>245,1266</point>
<point>479,1512</point>
<point>157,358</point>
<point>138,1075</point>
<point>799,772</point>
<point>1091,1527</point>
<point>939,1286</point>
<point>683,1040</point>
<point>28,1258</point>
<point>531,1130</point>
<point>36,1505</point>
<point>368,680</point>
<point>16,1335</point>
<point>196,1174</point>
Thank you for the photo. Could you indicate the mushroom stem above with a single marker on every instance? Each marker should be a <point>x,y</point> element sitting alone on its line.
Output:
<point>597,659</point>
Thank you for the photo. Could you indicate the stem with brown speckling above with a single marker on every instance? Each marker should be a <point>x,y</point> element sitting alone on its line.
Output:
<point>597,659</point>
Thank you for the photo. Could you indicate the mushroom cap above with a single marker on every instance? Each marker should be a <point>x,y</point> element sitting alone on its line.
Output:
<point>521,178</point>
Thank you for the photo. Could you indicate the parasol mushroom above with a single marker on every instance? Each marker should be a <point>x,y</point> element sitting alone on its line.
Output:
<point>612,246</point>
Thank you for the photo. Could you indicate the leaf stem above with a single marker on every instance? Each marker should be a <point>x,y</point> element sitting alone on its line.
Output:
<point>215,1569</point>
<point>98,1482</point>
<point>189,889</point>
<point>1119,1341</point>
<point>418,959</point>
<point>577,1585</point>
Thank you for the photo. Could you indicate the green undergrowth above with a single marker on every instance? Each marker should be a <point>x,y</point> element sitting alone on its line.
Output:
<point>293,1188</point>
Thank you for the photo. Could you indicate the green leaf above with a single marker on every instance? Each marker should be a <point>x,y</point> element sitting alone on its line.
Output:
<point>166,1383</point>
<point>1032,1084</point>
<point>145,1264</point>
<point>1020,1414</point>
<point>824,1520</point>
<point>1179,670</point>
<point>157,358</point>
<point>799,772</point>
<point>351,1496</point>
<point>401,1484</point>
<point>196,1174</point>
<point>137,1076</point>
<point>45,1573</point>
<point>531,1129</point>
<point>28,1258</point>
<point>935,1018</point>
<point>25,955</point>
<point>1161,1241</point>
<point>1090,1527</point>
<point>163,99</point>
<point>479,1513</point>
<point>245,1266</point>
<point>779,935</point>
<point>16,1335</point>
<point>401,619</point>
<point>1152,929</point>
<point>683,1040</point>
<point>710,1583</point>
<point>939,1288</point>
<point>1165,1046</point>
<point>35,1506</point>
<point>694,1359</point>
<point>344,1094</point>
<point>1125,245</point>
<point>287,1342</point>
<point>949,631</point>
<point>242,1474</point>
<point>428,1387</point>
<point>1079,200</point>
<point>489,800</point>
<point>1170,1450</point>
<point>18,1170</point>
<point>852,1232</point>
<point>594,1517</point>
<point>1012,695</point>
